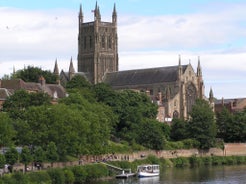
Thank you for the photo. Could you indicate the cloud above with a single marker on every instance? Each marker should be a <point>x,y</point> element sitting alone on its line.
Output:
<point>39,37</point>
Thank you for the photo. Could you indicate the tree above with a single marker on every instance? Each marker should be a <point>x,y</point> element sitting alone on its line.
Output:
<point>51,153</point>
<point>178,130</point>
<point>2,161</point>
<point>21,100</point>
<point>223,122</point>
<point>39,156</point>
<point>7,132</point>
<point>202,124</point>
<point>25,156</point>
<point>78,82</point>
<point>11,156</point>
<point>150,135</point>
<point>32,74</point>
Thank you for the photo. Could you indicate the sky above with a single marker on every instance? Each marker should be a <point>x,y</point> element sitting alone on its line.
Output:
<point>150,34</point>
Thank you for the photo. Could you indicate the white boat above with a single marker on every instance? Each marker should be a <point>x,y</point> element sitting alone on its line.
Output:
<point>148,170</point>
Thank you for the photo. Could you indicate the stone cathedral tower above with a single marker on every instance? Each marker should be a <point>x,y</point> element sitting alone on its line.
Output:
<point>97,46</point>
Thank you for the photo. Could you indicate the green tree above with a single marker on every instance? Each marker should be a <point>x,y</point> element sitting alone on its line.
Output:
<point>7,132</point>
<point>25,156</point>
<point>21,100</point>
<point>51,153</point>
<point>11,156</point>
<point>202,124</point>
<point>2,161</point>
<point>78,82</point>
<point>32,74</point>
<point>39,156</point>
<point>223,122</point>
<point>178,130</point>
<point>150,135</point>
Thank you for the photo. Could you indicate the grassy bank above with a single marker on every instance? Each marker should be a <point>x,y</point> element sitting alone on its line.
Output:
<point>87,173</point>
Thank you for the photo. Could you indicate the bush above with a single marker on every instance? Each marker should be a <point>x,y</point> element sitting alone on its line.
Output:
<point>20,178</point>
<point>216,160</point>
<point>39,177</point>
<point>180,162</point>
<point>69,176</point>
<point>190,143</point>
<point>95,171</point>
<point>8,179</point>
<point>206,160</point>
<point>80,174</point>
<point>195,161</point>
<point>57,176</point>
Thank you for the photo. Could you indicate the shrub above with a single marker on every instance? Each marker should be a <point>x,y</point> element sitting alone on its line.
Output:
<point>95,171</point>
<point>206,160</point>
<point>195,161</point>
<point>20,178</point>
<point>69,176</point>
<point>216,160</point>
<point>39,177</point>
<point>80,174</point>
<point>57,176</point>
<point>180,162</point>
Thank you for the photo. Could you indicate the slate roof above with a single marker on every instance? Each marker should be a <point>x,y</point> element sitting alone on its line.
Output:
<point>16,84</point>
<point>227,101</point>
<point>143,76</point>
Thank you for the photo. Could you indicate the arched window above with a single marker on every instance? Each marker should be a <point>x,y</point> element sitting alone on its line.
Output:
<point>175,114</point>
<point>85,42</point>
<point>90,42</point>
<point>191,95</point>
<point>109,43</point>
<point>103,41</point>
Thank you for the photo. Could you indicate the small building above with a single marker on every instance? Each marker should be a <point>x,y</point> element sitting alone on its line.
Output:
<point>232,105</point>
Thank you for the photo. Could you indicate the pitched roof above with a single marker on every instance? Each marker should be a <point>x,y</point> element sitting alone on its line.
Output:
<point>143,76</point>
<point>16,84</point>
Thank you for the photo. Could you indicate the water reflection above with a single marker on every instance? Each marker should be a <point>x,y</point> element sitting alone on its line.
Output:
<point>201,175</point>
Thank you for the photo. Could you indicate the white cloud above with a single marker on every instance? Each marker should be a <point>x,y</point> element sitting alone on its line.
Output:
<point>39,37</point>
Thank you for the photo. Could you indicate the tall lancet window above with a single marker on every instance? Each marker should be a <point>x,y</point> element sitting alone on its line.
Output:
<point>191,96</point>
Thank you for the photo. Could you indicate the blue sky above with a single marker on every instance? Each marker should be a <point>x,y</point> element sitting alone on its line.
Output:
<point>151,34</point>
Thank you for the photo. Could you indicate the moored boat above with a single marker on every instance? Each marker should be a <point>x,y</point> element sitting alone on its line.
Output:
<point>148,170</point>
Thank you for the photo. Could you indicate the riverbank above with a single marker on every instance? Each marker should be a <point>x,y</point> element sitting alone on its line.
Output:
<point>86,173</point>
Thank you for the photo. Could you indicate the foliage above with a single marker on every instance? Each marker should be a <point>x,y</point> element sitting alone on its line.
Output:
<point>32,74</point>
<point>69,176</point>
<point>7,132</point>
<point>178,129</point>
<point>11,156</point>
<point>79,174</point>
<point>17,103</point>
<point>2,161</point>
<point>202,124</point>
<point>51,152</point>
<point>39,177</point>
<point>150,135</point>
<point>180,161</point>
<point>78,82</point>
<point>57,176</point>
<point>39,155</point>
<point>231,127</point>
<point>25,156</point>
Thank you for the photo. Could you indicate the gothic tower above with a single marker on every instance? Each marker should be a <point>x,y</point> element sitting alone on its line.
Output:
<point>97,46</point>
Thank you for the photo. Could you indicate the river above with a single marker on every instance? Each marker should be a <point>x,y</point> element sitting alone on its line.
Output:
<point>201,175</point>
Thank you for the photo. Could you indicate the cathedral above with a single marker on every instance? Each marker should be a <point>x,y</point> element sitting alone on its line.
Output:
<point>173,88</point>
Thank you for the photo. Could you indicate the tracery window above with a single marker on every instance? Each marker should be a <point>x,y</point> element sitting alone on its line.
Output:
<point>191,96</point>
<point>103,42</point>
<point>175,114</point>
